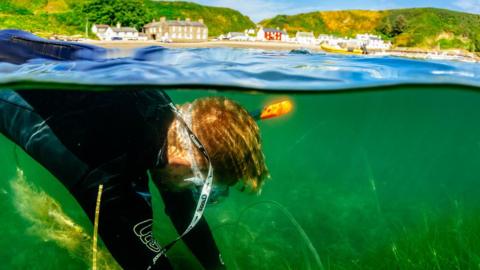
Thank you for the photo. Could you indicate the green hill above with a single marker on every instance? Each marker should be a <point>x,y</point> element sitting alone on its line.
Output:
<point>416,27</point>
<point>69,17</point>
<point>44,17</point>
<point>219,20</point>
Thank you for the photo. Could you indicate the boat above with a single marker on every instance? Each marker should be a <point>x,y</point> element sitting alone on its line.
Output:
<point>336,49</point>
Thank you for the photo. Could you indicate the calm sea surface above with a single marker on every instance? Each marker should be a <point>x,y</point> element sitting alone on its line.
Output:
<point>377,167</point>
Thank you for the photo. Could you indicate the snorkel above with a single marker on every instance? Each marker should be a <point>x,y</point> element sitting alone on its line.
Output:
<point>273,110</point>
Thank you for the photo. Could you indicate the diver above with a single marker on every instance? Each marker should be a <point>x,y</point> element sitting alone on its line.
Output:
<point>193,153</point>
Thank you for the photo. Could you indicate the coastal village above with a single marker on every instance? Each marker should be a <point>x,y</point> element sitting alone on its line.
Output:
<point>425,33</point>
<point>187,30</point>
<point>196,31</point>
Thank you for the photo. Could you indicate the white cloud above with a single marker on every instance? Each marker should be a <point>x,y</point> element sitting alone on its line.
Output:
<point>471,6</point>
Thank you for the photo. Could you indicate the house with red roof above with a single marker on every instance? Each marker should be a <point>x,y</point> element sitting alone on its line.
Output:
<point>271,34</point>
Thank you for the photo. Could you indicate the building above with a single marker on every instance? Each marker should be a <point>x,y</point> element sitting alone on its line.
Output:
<point>142,37</point>
<point>238,36</point>
<point>177,30</point>
<point>121,33</point>
<point>322,38</point>
<point>285,37</point>
<point>367,41</point>
<point>373,42</point>
<point>305,38</point>
<point>99,30</point>
<point>338,41</point>
<point>270,34</point>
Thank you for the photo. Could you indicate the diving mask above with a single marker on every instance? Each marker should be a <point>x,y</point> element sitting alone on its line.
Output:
<point>217,193</point>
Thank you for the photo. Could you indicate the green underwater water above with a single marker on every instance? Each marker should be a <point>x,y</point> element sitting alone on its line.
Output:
<point>385,178</point>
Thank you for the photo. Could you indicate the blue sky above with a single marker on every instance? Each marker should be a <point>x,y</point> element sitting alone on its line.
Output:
<point>262,9</point>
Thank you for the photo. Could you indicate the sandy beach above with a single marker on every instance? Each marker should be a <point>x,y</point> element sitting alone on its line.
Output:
<point>209,44</point>
<point>283,46</point>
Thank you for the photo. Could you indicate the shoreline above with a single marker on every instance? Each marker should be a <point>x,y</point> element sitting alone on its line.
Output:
<point>282,46</point>
<point>412,53</point>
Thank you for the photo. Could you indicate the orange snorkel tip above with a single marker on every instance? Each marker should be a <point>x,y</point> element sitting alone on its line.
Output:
<point>273,110</point>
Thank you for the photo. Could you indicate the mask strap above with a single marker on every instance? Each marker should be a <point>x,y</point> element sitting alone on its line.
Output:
<point>206,188</point>
<point>186,142</point>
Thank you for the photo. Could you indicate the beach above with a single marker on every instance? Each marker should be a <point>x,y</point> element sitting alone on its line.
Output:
<point>283,46</point>
<point>278,46</point>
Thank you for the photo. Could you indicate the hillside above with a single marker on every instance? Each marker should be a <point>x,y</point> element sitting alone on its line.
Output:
<point>219,20</point>
<point>40,16</point>
<point>417,27</point>
<point>68,17</point>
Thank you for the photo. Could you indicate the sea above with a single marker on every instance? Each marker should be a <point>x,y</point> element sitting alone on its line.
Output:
<point>376,167</point>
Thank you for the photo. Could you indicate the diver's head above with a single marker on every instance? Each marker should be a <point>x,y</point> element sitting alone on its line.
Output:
<point>231,137</point>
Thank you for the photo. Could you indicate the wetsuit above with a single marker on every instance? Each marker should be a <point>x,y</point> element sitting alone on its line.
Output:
<point>112,138</point>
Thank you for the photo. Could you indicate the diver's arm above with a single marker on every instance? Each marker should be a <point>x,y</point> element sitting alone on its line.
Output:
<point>18,47</point>
<point>180,206</point>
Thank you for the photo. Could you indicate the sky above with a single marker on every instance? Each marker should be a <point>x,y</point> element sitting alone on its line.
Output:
<point>258,10</point>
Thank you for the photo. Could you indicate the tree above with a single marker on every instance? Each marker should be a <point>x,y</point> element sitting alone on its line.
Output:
<point>476,43</point>
<point>386,28</point>
<point>400,25</point>
<point>131,13</point>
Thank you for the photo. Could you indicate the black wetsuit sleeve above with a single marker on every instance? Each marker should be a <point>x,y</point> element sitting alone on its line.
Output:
<point>180,206</point>
<point>18,47</point>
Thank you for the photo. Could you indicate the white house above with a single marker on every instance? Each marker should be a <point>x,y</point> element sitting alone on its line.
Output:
<point>285,37</point>
<point>373,42</point>
<point>122,33</point>
<point>99,30</point>
<point>237,36</point>
<point>367,41</point>
<point>142,37</point>
<point>322,38</point>
<point>305,38</point>
<point>338,41</point>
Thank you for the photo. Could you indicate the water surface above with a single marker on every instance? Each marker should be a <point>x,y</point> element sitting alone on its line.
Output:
<point>251,69</point>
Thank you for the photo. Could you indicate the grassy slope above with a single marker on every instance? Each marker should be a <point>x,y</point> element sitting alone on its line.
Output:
<point>332,22</point>
<point>438,28</point>
<point>47,17</point>
<point>425,27</point>
<point>43,17</point>
<point>218,20</point>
